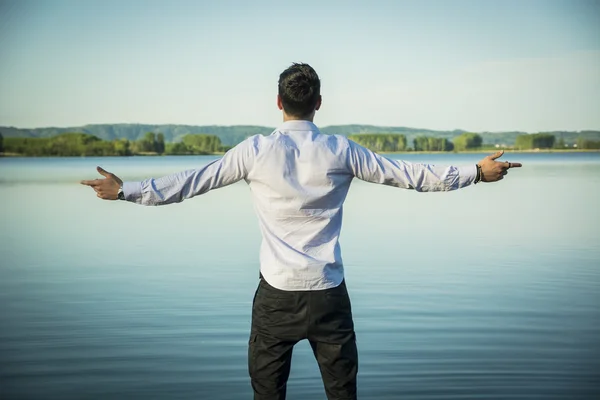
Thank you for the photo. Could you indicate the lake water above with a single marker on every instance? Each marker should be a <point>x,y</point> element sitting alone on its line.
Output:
<point>491,292</point>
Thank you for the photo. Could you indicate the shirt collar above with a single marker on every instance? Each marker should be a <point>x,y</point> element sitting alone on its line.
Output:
<point>298,125</point>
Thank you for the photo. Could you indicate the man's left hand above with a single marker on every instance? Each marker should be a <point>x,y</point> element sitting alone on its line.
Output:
<point>492,170</point>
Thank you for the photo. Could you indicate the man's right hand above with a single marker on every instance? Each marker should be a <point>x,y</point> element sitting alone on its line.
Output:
<point>106,189</point>
<point>493,171</point>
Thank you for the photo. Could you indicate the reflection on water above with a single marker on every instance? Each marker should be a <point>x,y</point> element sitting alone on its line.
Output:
<point>492,292</point>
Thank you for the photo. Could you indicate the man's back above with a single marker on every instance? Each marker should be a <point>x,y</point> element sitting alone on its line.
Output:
<point>299,179</point>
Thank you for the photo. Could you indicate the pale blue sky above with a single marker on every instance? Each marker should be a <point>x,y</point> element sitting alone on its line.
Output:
<point>474,65</point>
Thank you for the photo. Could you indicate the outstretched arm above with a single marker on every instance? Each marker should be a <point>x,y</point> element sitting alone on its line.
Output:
<point>232,167</point>
<point>372,167</point>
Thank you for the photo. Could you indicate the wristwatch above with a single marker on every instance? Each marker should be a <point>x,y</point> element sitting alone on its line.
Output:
<point>120,194</point>
<point>479,175</point>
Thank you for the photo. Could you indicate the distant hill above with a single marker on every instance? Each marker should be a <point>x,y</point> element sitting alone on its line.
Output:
<point>231,135</point>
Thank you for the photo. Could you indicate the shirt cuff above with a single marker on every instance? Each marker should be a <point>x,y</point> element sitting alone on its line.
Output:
<point>133,191</point>
<point>466,175</point>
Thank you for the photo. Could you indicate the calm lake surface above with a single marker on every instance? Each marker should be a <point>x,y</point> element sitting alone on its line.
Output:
<point>491,292</point>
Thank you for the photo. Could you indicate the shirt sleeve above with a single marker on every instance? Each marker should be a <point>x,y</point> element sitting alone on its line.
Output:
<point>372,167</point>
<point>230,168</point>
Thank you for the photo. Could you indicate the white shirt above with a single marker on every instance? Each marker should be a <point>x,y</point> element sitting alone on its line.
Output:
<point>299,179</point>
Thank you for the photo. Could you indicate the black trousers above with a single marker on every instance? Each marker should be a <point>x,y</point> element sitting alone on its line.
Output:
<point>280,319</point>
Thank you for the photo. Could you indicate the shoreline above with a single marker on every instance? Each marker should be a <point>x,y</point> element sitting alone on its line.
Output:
<point>479,151</point>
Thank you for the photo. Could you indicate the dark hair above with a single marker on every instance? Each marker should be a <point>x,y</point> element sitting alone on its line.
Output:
<point>299,89</point>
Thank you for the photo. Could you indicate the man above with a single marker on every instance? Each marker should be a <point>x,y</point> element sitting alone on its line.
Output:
<point>299,179</point>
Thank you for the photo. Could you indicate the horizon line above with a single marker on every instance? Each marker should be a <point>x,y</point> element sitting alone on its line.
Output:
<point>321,127</point>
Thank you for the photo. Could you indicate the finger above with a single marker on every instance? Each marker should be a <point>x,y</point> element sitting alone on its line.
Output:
<point>92,183</point>
<point>496,155</point>
<point>103,172</point>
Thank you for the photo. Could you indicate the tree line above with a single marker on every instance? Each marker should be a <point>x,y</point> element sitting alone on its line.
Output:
<point>231,135</point>
<point>83,144</point>
<point>548,141</point>
<point>464,142</point>
<point>380,142</point>
<point>398,142</point>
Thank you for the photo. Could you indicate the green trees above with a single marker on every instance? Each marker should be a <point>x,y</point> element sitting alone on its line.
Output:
<point>467,141</point>
<point>202,144</point>
<point>426,143</point>
<point>535,141</point>
<point>160,143</point>
<point>195,144</point>
<point>25,146</point>
<point>150,143</point>
<point>75,143</point>
<point>67,144</point>
<point>381,142</point>
<point>586,144</point>
<point>1,144</point>
<point>176,149</point>
<point>82,144</point>
<point>122,147</point>
<point>147,144</point>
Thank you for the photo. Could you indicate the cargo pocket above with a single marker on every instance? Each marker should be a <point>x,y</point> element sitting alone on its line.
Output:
<point>252,354</point>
